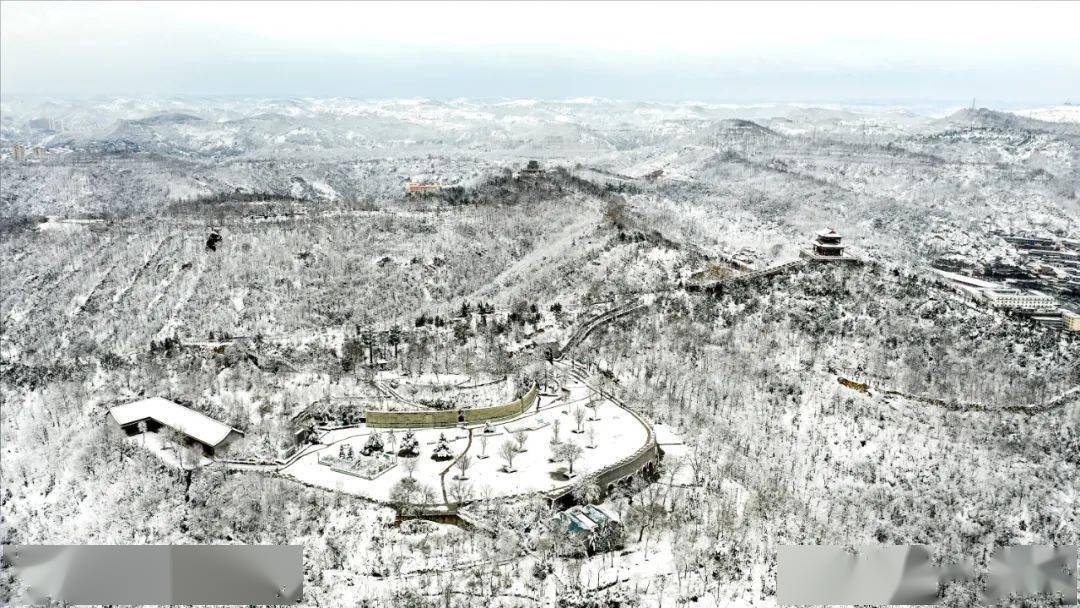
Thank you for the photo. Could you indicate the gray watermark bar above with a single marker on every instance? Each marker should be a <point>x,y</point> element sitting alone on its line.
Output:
<point>905,574</point>
<point>156,574</point>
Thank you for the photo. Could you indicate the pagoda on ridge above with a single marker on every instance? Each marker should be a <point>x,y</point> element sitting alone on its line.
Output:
<point>827,247</point>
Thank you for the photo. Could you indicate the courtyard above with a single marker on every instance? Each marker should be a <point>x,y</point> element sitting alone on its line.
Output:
<point>608,435</point>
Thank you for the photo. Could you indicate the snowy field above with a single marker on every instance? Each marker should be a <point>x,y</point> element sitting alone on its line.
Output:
<point>618,435</point>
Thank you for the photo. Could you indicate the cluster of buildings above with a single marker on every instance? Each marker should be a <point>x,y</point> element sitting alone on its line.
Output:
<point>1042,281</point>
<point>1036,305</point>
<point>1046,263</point>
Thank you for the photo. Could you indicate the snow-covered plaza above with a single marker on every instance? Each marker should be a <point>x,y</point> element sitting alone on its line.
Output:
<point>609,434</point>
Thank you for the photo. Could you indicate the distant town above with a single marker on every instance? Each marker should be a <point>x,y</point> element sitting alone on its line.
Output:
<point>1042,281</point>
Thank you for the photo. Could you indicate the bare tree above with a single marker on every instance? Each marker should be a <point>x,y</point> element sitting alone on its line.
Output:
<point>592,436</point>
<point>579,418</point>
<point>697,461</point>
<point>555,424</point>
<point>521,436</point>
<point>463,465</point>
<point>402,497</point>
<point>410,466</point>
<point>508,450</point>
<point>483,447</point>
<point>569,452</point>
<point>195,454</point>
<point>460,491</point>
<point>408,496</point>
<point>178,441</point>
<point>427,494</point>
<point>588,490</point>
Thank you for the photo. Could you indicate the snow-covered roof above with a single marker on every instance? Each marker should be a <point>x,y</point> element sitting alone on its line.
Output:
<point>186,420</point>
<point>586,518</point>
<point>828,232</point>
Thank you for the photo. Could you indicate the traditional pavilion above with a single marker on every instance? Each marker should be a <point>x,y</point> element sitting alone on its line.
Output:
<point>828,244</point>
<point>827,247</point>
<point>532,169</point>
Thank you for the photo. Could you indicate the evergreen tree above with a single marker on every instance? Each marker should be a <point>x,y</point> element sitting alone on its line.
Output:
<point>394,338</point>
<point>442,449</point>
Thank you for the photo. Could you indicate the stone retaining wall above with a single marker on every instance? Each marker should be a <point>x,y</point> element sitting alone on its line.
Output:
<point>448,418</point>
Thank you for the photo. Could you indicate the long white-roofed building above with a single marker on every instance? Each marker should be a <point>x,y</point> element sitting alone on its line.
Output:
<point>1020,300</point>
<point>155,412</point>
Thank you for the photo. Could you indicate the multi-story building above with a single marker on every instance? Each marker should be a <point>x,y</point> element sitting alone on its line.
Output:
<point>1071,320</point>
<point>18,152</point>
<point>1019,300</point>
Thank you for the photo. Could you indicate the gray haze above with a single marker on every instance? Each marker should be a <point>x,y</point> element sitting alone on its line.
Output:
<point>1001,54</point>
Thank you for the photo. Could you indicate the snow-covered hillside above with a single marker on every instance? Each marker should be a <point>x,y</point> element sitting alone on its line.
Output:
<point>263,263</point>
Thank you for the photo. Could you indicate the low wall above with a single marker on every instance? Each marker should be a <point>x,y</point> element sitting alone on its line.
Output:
<point>446,418</point>
<point>416,419</point>
<point>513,408</point>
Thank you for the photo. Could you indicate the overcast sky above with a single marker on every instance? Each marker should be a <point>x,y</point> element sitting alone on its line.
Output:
<point>999,53</point>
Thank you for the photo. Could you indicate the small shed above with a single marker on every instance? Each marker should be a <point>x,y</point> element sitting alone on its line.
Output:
<point>197,428</point>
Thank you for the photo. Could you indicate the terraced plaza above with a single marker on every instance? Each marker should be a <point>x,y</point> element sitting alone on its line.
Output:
<point>615,444</point>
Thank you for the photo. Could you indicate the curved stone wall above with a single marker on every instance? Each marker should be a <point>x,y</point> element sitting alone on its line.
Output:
<point>644,458</point>
<point>446,418</point>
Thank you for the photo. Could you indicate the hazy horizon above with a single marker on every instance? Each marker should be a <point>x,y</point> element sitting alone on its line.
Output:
<point>1002,55</point>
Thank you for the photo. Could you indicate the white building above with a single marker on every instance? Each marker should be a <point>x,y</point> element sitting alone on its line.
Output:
<point>1071,320</point>
<point>154,413</point>
<point>1016,299</point>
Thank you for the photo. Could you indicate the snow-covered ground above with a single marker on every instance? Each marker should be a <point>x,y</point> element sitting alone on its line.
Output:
<point>1064,113</point>
<point>169,452</point>
<point>618,435</point>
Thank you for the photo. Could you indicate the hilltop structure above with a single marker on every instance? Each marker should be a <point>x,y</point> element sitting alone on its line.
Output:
<point>827,246</point>
<point>532,170</point>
